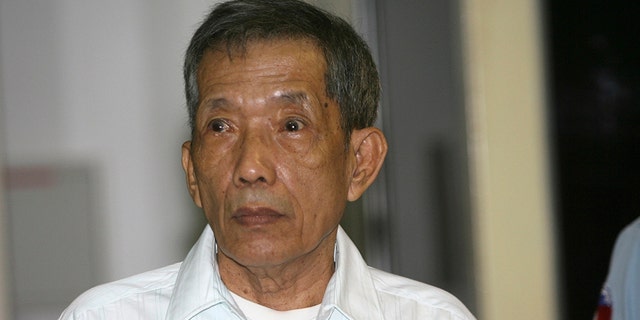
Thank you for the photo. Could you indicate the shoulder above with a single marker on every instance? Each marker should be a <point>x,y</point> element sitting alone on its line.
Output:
<point>626,249</point>
<point>631,233</point>
<point>415,297</point>
<point>152,288</point>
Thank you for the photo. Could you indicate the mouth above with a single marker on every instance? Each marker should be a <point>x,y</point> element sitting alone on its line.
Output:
<point>256,216</point>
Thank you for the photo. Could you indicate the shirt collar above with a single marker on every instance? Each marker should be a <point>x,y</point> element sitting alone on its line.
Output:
<point>198,285</point>
<point>350,293</point>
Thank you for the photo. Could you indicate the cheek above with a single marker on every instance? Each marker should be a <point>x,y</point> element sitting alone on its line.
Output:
<point>211,168</point>
<point>319,178</point>
<point>313,151</point>
<point>322,195</point>
<point>300,150</point>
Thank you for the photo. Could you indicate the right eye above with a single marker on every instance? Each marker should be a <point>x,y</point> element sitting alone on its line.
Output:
<point>218,125</point>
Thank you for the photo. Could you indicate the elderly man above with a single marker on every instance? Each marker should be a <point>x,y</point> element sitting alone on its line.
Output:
<point>282,98</point>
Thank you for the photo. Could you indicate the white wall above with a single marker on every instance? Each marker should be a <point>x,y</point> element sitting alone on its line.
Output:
<point>98,84</point>
<point>5,302</point>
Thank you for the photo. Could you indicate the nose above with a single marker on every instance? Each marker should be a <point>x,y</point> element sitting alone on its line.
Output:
<point>254,164</point>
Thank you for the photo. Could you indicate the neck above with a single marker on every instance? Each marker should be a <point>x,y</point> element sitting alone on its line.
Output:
<point>294,284</point>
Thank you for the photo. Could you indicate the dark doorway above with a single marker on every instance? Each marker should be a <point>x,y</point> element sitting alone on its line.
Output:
<point>594,68</point>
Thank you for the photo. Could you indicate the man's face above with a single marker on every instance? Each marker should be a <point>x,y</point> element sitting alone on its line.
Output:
<point>268,163</point>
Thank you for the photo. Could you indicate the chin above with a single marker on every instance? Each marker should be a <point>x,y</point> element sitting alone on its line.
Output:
<point>256,255</point>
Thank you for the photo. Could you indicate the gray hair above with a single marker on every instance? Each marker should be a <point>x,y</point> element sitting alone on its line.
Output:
<point>351,77</point>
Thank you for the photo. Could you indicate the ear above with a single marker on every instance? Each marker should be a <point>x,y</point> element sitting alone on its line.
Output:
<point>192,181</point>
<point>370,148</point>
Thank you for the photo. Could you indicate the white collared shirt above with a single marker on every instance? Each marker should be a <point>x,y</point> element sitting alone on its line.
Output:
<point>193,289</point>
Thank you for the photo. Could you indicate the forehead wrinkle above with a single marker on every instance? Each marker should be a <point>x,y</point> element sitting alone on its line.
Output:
<point>224,103</point>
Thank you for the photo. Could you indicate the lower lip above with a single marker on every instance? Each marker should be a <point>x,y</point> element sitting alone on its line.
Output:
<point>260,219</point>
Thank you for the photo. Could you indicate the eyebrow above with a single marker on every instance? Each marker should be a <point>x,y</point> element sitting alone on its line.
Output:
<point>216,103</point>
<point>299,98</point>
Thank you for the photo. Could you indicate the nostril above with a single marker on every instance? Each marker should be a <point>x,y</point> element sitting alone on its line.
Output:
<point>244,180</point>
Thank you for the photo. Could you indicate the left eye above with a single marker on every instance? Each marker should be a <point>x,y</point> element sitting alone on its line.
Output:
<point>293,125</point>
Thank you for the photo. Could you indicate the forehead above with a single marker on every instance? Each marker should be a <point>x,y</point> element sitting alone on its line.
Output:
<point>287,59</point>
<point>280,72</point>
<point>276,76</point>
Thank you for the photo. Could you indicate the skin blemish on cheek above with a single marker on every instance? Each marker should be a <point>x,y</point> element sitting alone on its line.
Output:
<point>326,104</point>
